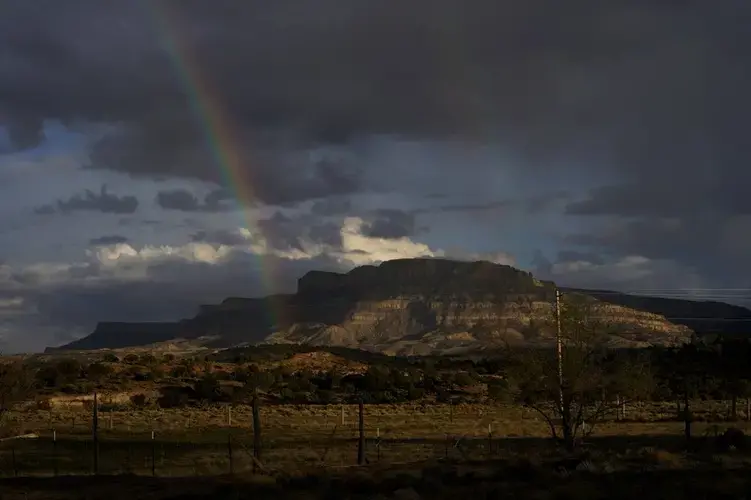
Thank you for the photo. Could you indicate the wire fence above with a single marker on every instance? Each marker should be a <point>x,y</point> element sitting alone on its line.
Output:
<point>95,443</point>
<point>166,455</point>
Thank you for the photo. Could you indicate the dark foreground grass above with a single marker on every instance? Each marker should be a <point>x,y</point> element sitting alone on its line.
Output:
<point>488,479</point>
<point>226,451</point>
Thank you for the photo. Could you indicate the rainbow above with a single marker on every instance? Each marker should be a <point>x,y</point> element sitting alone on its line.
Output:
<point>208,111</point>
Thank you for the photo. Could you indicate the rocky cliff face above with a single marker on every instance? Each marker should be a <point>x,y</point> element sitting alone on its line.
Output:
<point>421,306</point>
<point>414,306</point>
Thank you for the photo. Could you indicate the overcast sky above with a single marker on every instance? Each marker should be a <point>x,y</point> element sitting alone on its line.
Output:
<point>159,155</point>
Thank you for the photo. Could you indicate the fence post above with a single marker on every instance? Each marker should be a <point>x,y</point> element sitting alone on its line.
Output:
<point>95,432</point>
<point>342,423</point>
<point>229,454</point>
<point>361,440</point>
<point>54,452</point>
<point>378,444</point>
<point>256,432</point>
<point>618,408</point>
<point>490,440</point>
<point>153,454</point>
<point>229,415</point>
<point>13,458</point>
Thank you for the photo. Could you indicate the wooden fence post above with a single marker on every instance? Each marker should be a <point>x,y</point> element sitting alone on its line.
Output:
<point>153,453</point>
<point>490,440</point>
<point>378,444</point>
<point>229,454</point>
<point>54,452</point>
<point>618,408</point>
<point>361,440</point>
<point>256,432</point>
<point>95,432</point>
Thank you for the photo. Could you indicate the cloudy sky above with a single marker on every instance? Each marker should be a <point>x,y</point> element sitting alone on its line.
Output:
<point>159,155</point>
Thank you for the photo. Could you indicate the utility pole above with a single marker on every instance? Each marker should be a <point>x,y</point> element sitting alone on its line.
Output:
<point>559,345</point>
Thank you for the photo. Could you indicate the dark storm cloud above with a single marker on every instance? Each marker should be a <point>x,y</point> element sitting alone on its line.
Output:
<point>574,256</point>
<point>390,224</point>
<point>649,90</point>
<point>530,205</point>
<point>332,206</point>
<point>103,201</point>
<point>220,237</point>
<point>173,291</point>
<point>44,210</point>
<point>112,239</point>
<point>25,132</point>
<point>718,248</point>
<point>473,207</point>
<point>184,200</point>
<point>288,232</point>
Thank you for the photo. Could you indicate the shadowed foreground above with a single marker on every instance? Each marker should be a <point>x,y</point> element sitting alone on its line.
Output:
<point>486,479</point>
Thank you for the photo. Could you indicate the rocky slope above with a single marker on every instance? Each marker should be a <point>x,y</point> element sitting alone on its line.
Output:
<point>409,306</point>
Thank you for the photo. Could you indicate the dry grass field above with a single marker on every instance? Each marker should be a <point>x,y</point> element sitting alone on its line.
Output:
<point>413,451</point>
<point>295,439</point>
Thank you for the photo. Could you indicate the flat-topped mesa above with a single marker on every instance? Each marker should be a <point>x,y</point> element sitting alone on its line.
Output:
<point>405,306</point>
<point>426,278</point>
<point>114,335</point>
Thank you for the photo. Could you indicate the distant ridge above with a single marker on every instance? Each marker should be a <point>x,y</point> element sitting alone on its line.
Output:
<point>117,335</point>
<point>705,317</point>
<point>421,306</point>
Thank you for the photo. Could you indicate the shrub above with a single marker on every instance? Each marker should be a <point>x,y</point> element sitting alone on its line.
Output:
<point>110,358</point>
<point>69,369</point>
<point>174,397</point>
<point>97,371</point>
<point>147,359</point>
<point>131,359</point>
<point>464,379</point>
<point>180,371</point>
<point>48,376</point>
<point>138,400</point>
<point>326,397</point>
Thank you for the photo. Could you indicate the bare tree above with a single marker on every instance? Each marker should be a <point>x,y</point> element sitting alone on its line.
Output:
<point>594,375</point>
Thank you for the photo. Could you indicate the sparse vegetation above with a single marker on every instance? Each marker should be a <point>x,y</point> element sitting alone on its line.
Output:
<point>502,406</point>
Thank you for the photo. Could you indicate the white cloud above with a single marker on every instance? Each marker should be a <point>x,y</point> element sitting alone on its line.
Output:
<point>358,249</point>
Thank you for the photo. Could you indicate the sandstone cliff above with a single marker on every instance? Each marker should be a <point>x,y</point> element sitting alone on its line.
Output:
<point>421,306</point>
<point>409,306</point>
